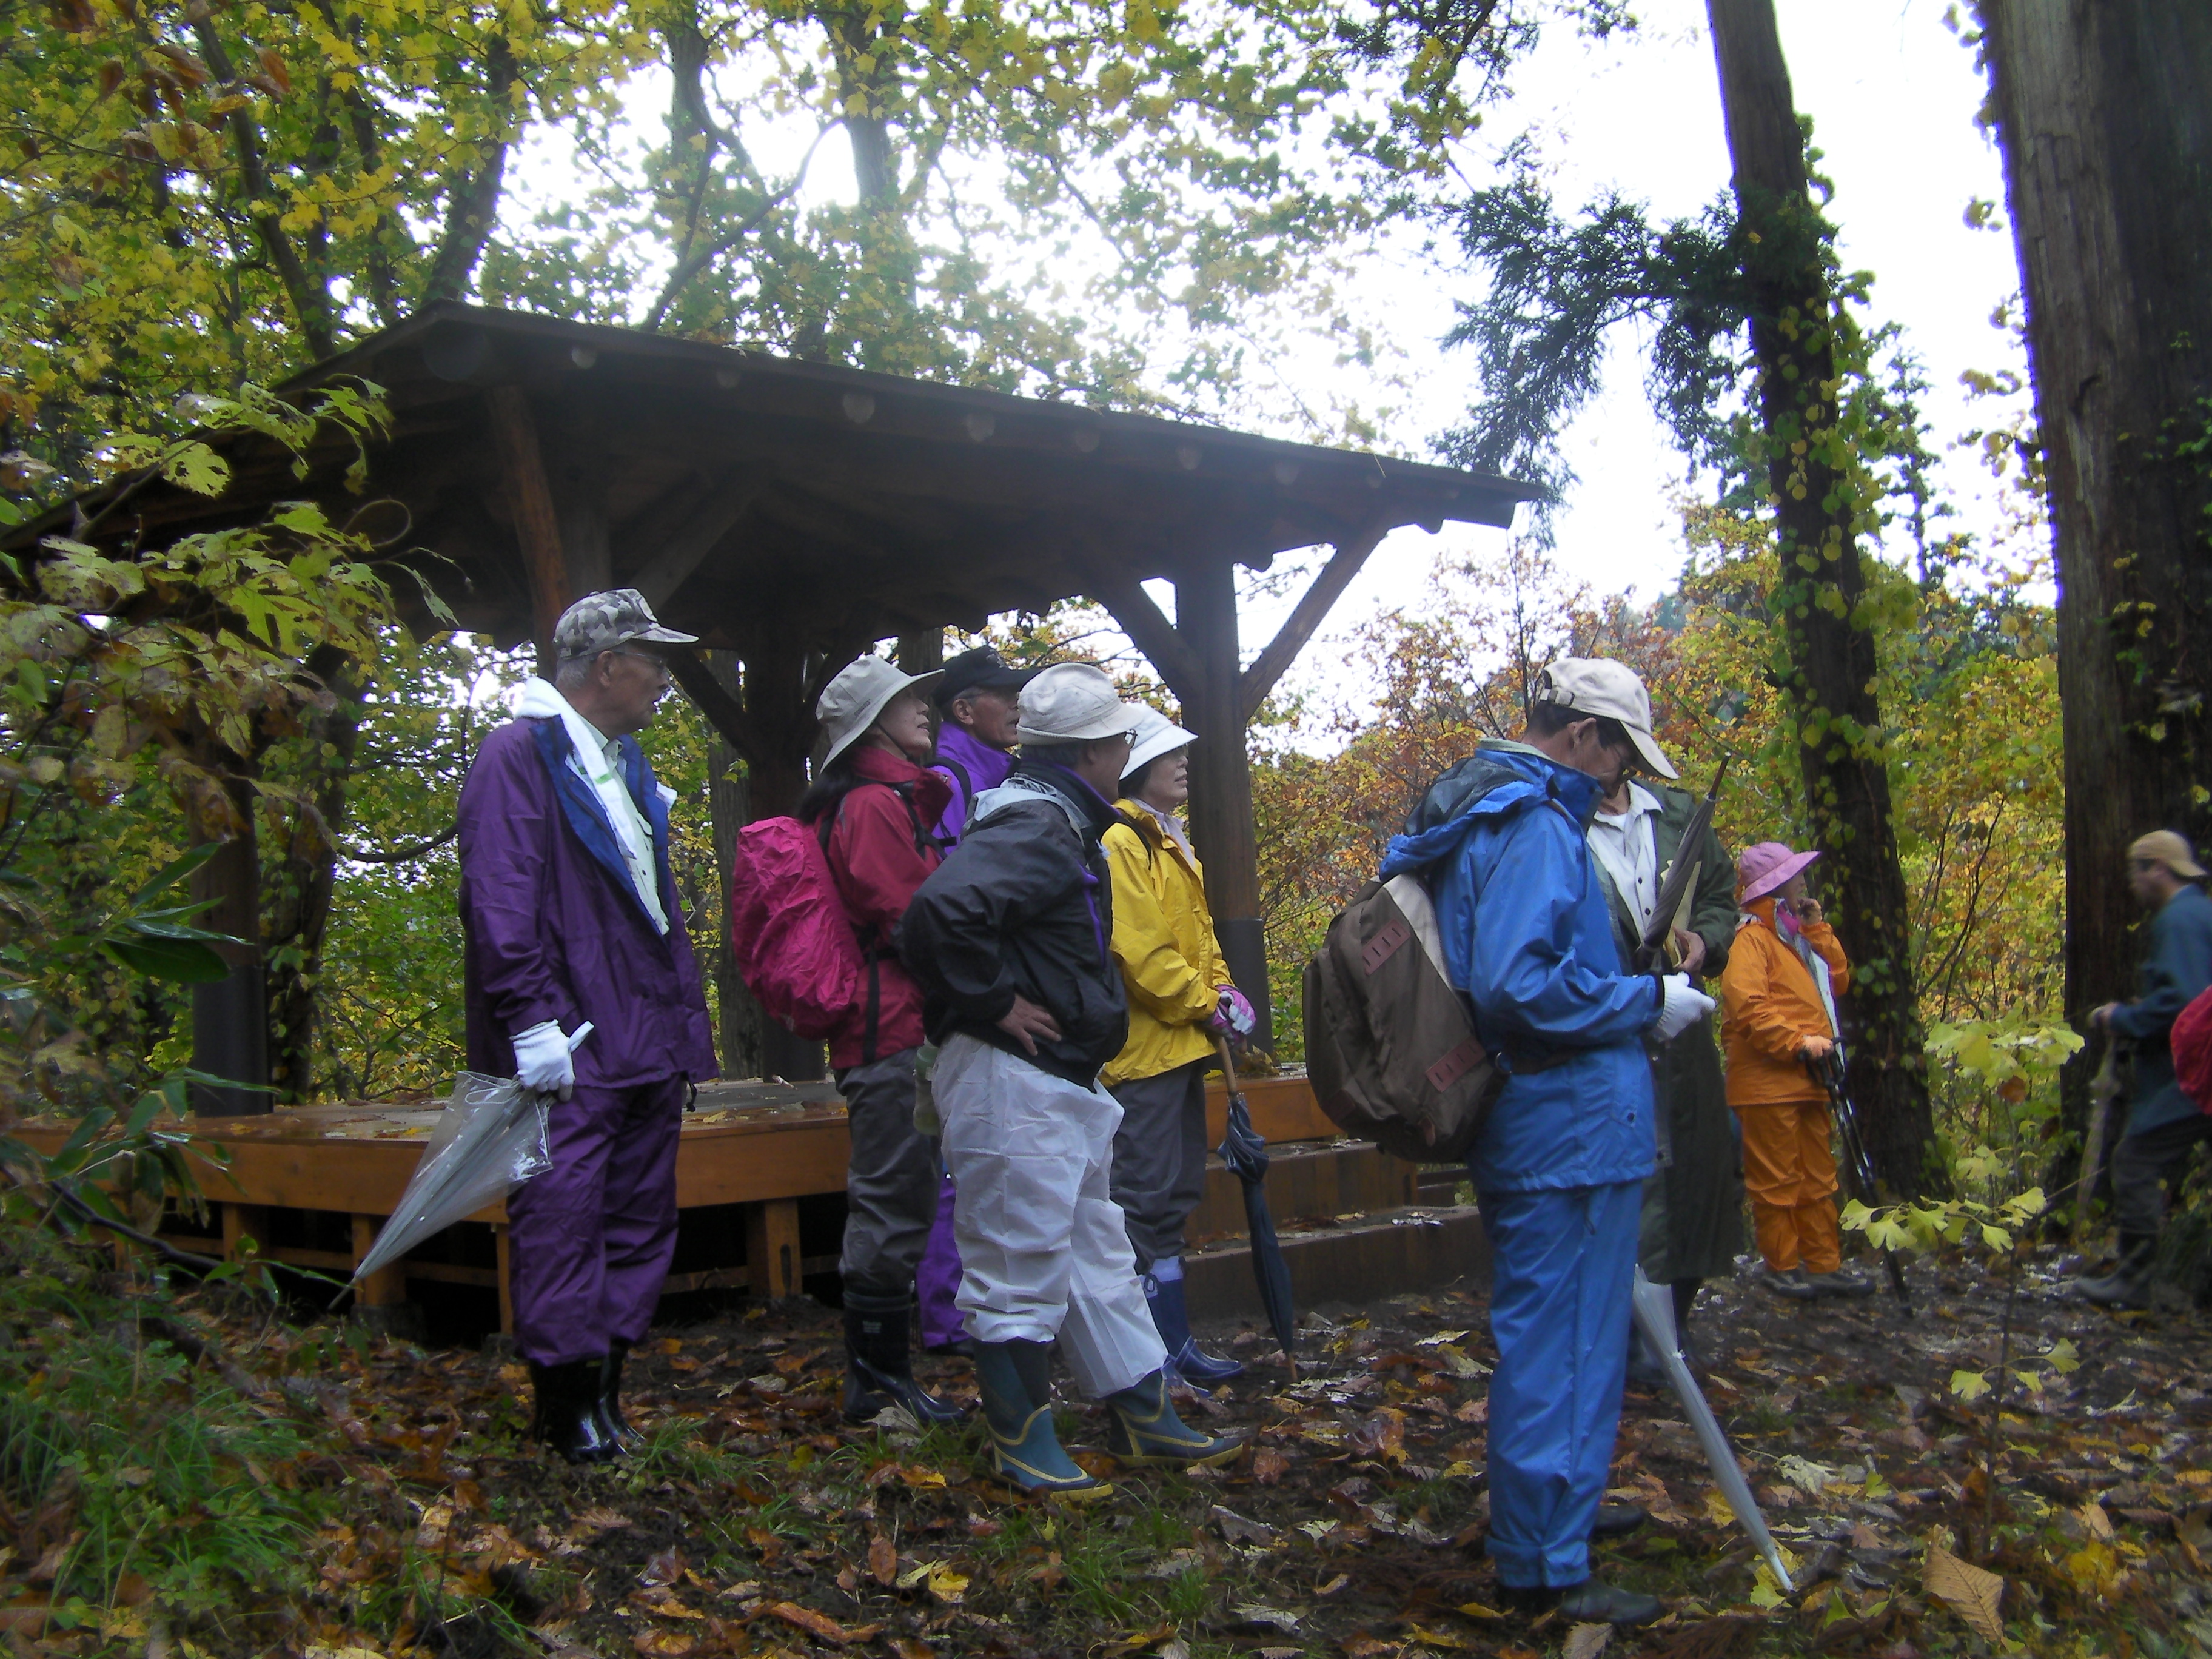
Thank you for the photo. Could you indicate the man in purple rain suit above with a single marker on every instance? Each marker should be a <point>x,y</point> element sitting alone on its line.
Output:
<point>570,916</point>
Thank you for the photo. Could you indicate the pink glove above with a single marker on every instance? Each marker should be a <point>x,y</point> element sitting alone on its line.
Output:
<point>1232,1015</point>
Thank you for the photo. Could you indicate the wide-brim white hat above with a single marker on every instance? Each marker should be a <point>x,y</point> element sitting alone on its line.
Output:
<point>850,704</point>
<point>1073,703</point>
<point>1156,735</point>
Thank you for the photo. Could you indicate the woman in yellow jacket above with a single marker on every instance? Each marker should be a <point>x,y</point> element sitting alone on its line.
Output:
<point>1180,997</point>
<point>1778,999</point>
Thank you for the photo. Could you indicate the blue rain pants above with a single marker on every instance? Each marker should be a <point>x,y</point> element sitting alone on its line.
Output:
<point>1565,1260</point>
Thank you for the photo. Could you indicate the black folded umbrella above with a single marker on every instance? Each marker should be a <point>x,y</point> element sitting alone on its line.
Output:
<point>1243,1152</point>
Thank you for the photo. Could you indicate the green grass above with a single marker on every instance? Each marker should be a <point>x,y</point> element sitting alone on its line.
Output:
<point>166,1475</point>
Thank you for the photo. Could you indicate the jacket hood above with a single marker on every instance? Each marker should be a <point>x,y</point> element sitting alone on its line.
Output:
<point>1088,811</point>
<point>1500,779</point>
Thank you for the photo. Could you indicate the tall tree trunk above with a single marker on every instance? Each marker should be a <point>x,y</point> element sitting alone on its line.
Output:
<point>297,913</point>
<point>1829,679</point>
<point>2103,116</point>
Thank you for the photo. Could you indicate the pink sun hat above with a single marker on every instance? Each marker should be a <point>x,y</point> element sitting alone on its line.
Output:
<point>1766,868</point>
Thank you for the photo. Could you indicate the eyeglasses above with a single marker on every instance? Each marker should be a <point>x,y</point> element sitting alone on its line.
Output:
<point>659,662</point>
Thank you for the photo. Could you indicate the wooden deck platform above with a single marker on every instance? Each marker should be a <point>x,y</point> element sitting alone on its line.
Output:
<point>312,1187</point>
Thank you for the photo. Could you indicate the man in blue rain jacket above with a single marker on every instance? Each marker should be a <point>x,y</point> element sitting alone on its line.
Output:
<point>1560,1166</point>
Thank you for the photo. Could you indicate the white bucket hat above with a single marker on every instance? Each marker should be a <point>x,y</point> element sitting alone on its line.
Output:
<point>1157,735</point>
<point>863,689</point>
<point>1073,702</point>
<point>1599,686</point>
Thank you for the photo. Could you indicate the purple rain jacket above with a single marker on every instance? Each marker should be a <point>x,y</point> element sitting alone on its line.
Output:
<point>554,929</point>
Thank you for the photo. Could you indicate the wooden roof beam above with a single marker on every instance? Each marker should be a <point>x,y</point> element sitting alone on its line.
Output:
<point>1325,589</point>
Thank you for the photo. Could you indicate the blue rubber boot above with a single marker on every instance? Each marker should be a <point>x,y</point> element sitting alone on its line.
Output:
<point>1144,1431</point>
<point>1025,1451</point>
<point>1171,1319</point>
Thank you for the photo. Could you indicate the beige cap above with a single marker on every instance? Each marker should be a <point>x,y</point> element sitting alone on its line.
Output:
<point>849,704</point>
<point>1599,687</point>
<point>2165,847</point>
<point>1156,735</point>
<point>1073,703</point>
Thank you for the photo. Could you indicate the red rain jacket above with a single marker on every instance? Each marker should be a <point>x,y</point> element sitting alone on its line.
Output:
<point>881,849</point>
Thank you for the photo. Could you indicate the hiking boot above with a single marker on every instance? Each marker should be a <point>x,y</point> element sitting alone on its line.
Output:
<point>1026,1450</point>
<point>1171,1319</point>
<point>878,1369</point>
<point>1618,1520</point>
<point>1840,1281</point>
<point>1589,1603</point>
<point>1791,1282</point>
<point>567,1414</point>
<point>1142,1429</point>
<point>2128,1285</point>
<point>611,1420</point>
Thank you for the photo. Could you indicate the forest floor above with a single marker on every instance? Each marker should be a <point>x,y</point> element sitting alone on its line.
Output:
<point>757,1523</point>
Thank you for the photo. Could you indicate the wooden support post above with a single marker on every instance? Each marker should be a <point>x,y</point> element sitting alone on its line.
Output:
<point>387,1286</point>
<point>530,500</point>
<point>505,1259</point>
<point>780,715</point>
<point>242,1223</point>
<point>772,1259</point>
<point>1221,780</point>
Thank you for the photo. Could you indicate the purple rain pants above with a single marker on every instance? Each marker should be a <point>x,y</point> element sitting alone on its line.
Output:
<point>589,1242</point>
<point>937,1279</point>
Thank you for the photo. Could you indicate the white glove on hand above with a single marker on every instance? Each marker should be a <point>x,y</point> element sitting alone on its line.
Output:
<point>542,1061</point>
<point>1681,1007</point>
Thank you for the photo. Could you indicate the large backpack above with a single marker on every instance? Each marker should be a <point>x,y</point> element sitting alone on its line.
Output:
<point>1391,1045</point>
<point>796,949</point>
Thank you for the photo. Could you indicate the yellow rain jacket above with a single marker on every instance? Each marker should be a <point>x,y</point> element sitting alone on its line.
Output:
<point>1164,939</point>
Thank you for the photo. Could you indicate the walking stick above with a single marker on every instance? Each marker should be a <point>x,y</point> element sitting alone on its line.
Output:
<point>1859,1167</point>
<point>2103,1089</point>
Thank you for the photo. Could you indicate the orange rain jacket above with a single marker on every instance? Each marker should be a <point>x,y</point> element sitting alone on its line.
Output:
<point>1770,1004</point>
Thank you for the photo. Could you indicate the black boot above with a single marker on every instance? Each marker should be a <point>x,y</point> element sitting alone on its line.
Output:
<point>567,1417</point>
<point>878,1369</point>
<point>1589,1603</point>
<point>611,1420</point>
<point>2128,1285</point>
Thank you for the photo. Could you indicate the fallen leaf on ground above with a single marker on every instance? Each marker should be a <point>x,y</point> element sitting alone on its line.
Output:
<point>882,1559</point>
<point>1269,1465</point>
<point>664,1644</point>
<point>1587,1641</point>
<point>599,1519</point>
<point>1971,1592</point>
<point>821,1624</point>
<point>1238,1530</point>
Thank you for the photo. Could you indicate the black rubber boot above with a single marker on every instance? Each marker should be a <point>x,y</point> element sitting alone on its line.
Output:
<point>567,1417</point>
<point>879,1369</point>
<point>1618,1520</point>
<point>2128,1285</point>
<point>611,1420</point>
<point>1589,1603</point>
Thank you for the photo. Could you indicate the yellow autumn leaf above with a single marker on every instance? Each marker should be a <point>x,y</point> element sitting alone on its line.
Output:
<point>1971,1592</point>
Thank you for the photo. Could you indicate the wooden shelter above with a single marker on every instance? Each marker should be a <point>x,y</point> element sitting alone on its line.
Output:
<point>795,513</point>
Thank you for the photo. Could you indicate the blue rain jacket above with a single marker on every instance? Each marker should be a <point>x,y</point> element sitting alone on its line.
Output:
<point>1528,937</point>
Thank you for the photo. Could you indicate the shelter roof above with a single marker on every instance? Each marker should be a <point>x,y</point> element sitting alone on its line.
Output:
<point>738,486</point>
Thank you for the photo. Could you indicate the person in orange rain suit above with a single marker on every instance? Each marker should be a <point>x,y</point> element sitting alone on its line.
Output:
<point>1779,1000</point>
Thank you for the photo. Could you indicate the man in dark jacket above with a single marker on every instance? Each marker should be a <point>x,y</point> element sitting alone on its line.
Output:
<point>1693,1221</point>
<point>2164,1124</point>
<point>1012,941</point>
<point>568,913</point>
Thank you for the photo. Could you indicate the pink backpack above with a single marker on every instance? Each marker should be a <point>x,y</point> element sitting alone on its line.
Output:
<point>794,947</point>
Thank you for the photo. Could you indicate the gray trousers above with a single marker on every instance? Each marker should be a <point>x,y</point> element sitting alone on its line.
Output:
<point>890,1184</point>
<point>1159,1158</point>
<point>2148,1167</point>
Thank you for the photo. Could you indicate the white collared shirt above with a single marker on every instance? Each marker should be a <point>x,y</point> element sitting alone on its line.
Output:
<point>1627,845</point>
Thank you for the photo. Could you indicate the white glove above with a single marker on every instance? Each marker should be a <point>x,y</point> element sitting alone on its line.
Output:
<point>542,1061</point>
<point>1682,1007</point>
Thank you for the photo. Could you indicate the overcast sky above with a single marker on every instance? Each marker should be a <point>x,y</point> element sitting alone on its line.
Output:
<point>1892,95</point>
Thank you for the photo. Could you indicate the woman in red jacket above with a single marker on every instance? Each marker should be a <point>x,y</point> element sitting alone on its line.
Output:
<point>872,806</point>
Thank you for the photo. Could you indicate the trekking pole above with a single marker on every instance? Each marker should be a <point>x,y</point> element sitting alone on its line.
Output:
<point>1829,1072</point>
<point>2103,1089</point>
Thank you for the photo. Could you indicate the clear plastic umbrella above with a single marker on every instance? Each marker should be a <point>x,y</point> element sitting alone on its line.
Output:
<point>491,1137</point>
<point>1654,1307</point>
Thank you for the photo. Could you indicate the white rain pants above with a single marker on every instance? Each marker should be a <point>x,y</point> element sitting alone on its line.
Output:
<point>1044,1250</point>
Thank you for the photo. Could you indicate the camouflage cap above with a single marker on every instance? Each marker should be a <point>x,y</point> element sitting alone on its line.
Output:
<point>601,621</point>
